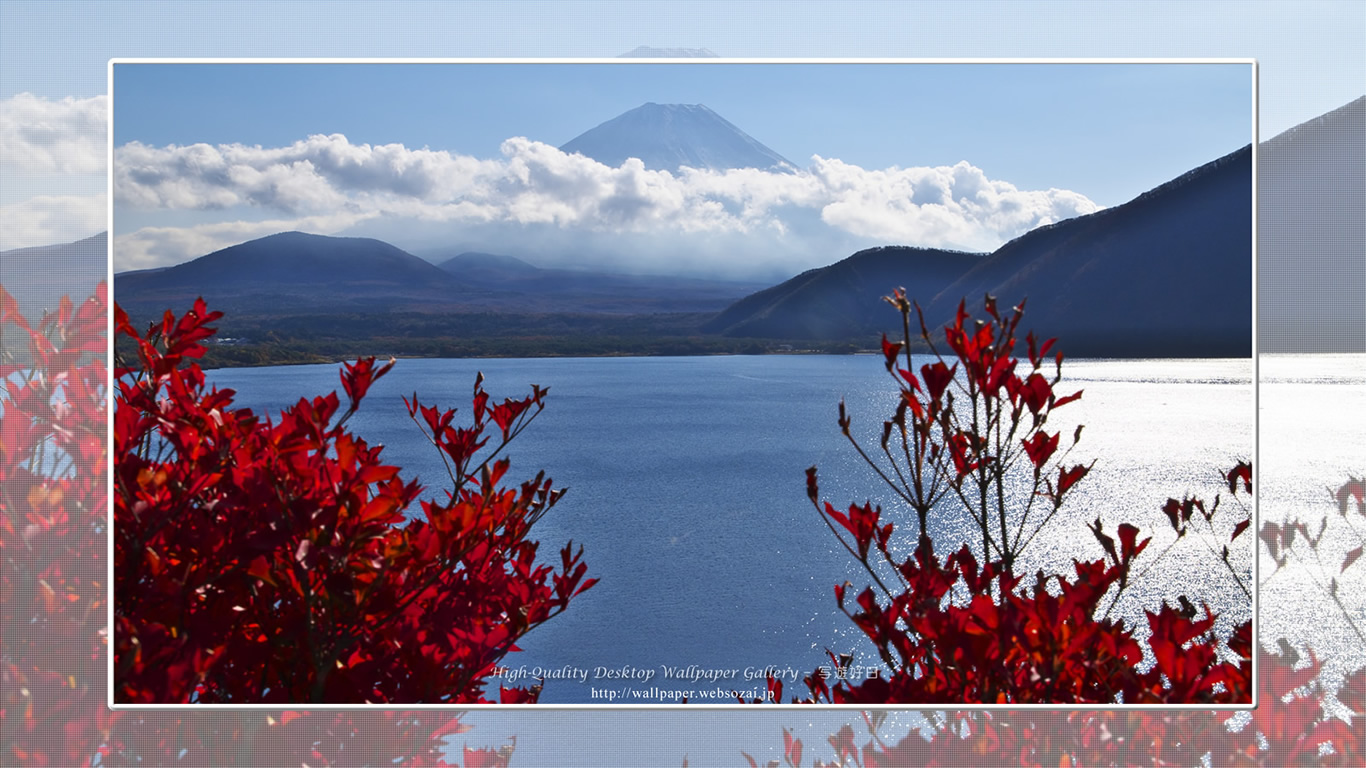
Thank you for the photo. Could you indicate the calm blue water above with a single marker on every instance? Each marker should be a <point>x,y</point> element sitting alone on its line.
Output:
<point>687,489</point>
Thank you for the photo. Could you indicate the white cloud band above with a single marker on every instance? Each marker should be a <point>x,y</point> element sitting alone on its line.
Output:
<point>51,219</point>
<point>535,184</point>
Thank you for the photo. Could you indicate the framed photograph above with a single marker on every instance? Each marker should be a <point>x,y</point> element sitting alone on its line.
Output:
<point>858,382</point>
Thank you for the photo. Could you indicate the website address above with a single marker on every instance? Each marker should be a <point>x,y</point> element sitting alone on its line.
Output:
<point>676,695</point>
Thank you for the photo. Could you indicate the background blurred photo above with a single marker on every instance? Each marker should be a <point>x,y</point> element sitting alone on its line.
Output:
<point>1311,299</point>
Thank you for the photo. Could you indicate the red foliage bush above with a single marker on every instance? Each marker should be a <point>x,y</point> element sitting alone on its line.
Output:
<point>1289,726</point>
<point>920,629</point>
<point>54,471</point>
<point>966,628</point>
<point>259,561</point>
<point>53,513</point>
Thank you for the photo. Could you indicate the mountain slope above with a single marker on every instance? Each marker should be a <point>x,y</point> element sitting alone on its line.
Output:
<point>1311,246</point>
<point>1166,274</point>
<point>39,277</point>
<point>473,266</point>
<point>669,136</point>
<point>841,301</point>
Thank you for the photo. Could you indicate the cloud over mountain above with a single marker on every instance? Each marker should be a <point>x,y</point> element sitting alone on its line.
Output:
<point>955,206</point>
<point>534,185</point>
<point>45,219</point>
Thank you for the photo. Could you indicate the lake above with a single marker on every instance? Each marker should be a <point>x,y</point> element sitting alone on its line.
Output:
<point>686,481</point>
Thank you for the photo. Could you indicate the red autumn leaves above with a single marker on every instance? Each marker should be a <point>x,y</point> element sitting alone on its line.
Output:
<point>53,516</point>
<point>1290,726</point>
<point>272,561</point>
<point>966,627</point>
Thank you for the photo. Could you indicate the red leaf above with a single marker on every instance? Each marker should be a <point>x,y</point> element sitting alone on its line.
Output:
<point>1069,477</point>
<point>1128,535</point>
<point>261,570</point>
<point>1352,488</point>
<point>890,351</point>
<point>1239,528</point>
<point>1351,558</point>
<point>357,377</point>
<point>1172,509</point>
<point>1060,402</point>
<point>1040,447</point>
<point>937,377</point>
<point>1241,471</point>
<point>1107,543</point>
<point>792,746</point>
<point>1036,391</point>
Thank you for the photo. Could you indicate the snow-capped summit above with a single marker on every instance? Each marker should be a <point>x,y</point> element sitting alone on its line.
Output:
<point>670,136</point>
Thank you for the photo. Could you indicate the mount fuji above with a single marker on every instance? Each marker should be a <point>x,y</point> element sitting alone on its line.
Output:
<point>667,137</point>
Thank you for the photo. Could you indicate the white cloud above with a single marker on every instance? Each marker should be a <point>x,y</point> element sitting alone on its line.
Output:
<point>318,173</point>
<point>63,136</point>
<point>51,219</point>
<point>536,185</point>
<point>939,206</point>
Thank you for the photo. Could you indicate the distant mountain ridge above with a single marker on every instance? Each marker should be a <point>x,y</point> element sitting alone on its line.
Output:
<point>478,266</point>
<point>38,277</point>
<point>509,280</point>
<point>841,301</point>
<point>295,271</point>
<point>669,136</point>
<point>1312,189</point>
<point>302,259</point>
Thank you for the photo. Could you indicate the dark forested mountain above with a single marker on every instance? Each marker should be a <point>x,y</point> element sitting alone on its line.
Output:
<point>669,136</point>
<point>39,277</point>
<point>293,271</point>
<point>841,301</point>
<point>1311,235</point>
<point>1168,273</point>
